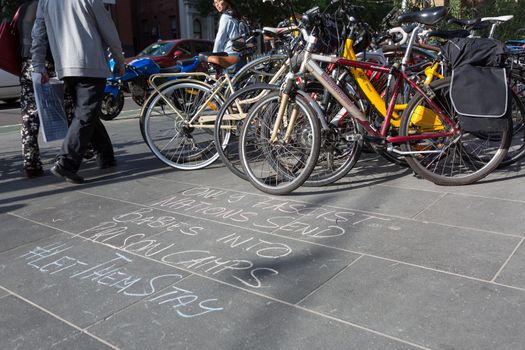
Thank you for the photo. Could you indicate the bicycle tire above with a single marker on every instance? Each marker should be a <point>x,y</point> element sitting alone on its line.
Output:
<point>279,167</point>
<point>517,147</point>
<point>337,155</point>
<point>194,147</point>
<point>260,70</point>
<point>395,53</point>
<point>460,160</point>
<point>228,150</point>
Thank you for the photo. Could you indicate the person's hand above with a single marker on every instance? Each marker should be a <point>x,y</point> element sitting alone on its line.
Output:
<point>44,79</point>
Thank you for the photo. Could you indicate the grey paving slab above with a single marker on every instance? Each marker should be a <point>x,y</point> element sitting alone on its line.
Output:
<point>377,199</point>
<point>243,210</point>
<point>429,308</point>
<point>513,274</point>
<point>16,232</point>
<point>462,251</point>
<point>238,272</point>
<point>17,191</point>
<point>240,321</point>
<point>496,185</point>
<point>81,341</point>
<point>23,326</point>
<point>81,281</point>
<point>277,266</point>
<point>362,195</point>
<point>216,175</point>
<point>71,211</point>
<point>478,212</point>
<point>74,211</point>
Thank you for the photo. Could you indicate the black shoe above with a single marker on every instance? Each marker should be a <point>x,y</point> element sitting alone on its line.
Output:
<point>70,176</point>
<point>31,173</point>
<point>106,163</point>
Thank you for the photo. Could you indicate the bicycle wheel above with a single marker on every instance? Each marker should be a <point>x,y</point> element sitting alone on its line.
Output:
<point>460,159</point>
<point>281,166</point>
<point>517,146</point>
<point>260,70</point>
<point>230,120</point>
<point>165,126</point>
<point>419,59</point>
<point>340,144</point>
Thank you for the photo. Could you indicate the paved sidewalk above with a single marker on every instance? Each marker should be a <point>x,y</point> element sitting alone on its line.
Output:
<point>146,257</point>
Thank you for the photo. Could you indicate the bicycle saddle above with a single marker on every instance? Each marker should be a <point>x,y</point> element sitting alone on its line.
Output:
<point>499,19</point>
<point>428,16</point>
<point>464,22</point>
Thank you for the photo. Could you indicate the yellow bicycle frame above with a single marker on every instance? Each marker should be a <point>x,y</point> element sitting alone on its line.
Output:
<point>375,98</point>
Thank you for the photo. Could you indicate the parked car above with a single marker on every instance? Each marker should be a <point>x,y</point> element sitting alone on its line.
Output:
<point>166,52</point>
<point>9,87</point>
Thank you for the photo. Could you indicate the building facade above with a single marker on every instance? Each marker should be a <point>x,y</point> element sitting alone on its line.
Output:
<point>141,23</point>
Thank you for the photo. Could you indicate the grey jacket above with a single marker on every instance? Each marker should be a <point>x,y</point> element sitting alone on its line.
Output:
<point>79,32</point>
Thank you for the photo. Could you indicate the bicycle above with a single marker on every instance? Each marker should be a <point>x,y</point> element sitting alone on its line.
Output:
<point>177,120</point>
<point>280,140</point>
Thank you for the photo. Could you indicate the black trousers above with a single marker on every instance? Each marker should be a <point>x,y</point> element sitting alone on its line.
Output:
<point>87,94</point>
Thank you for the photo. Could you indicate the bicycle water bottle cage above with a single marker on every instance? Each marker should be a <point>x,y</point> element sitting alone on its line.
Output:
<point>429,16</point>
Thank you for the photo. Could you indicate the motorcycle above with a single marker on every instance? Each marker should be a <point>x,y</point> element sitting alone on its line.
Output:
<point>135,82</point>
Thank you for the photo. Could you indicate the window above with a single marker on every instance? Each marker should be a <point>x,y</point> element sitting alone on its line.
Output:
<point>185,48</point>
<point>173,27</point>
<point>157,49</point>
<point>197,28</point>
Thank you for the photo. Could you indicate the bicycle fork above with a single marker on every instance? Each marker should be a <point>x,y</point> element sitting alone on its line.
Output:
<point>285,97</point>
<point>283,106</point>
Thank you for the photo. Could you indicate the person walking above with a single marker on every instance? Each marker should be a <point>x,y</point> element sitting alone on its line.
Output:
<point>78,33</point>
<point>32,165</point>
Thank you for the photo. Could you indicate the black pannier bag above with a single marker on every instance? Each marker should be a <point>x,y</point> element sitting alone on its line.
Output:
<point>479,91</point>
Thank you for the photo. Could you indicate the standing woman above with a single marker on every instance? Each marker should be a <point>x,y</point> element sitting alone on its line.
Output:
<point>32,165</point>
<point>228,30</point>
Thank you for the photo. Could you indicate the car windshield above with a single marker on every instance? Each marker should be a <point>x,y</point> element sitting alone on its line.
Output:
<point>157,49</point>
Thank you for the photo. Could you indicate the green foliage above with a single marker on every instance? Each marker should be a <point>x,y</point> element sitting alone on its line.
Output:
<point>505,7</point>
<point>267,14</point>
<point>375,11</point>
<point>8,8</point>
<point>263,13</point>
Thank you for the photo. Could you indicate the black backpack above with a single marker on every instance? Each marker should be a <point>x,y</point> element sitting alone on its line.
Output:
<point>480,52</point>
<point>479,87</point>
